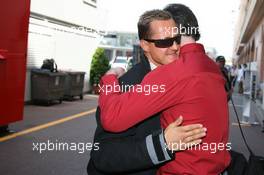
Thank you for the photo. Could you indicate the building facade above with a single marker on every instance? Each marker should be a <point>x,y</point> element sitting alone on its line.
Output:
<point>67,31</point>
<point>249,47</point>
<point>118,44</point>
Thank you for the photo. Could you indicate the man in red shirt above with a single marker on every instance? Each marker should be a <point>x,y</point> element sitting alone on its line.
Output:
<point>191,86</point>
<point>141,149</point>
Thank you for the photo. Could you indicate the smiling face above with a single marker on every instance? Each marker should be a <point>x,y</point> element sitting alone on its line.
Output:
<point>161,29</point>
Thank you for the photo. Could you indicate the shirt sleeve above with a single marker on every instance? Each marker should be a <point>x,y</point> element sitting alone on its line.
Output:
<point>145,152</point>
<point>120,111</point>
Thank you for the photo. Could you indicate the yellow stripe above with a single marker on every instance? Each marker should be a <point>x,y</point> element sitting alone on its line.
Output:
<point>56,122</point>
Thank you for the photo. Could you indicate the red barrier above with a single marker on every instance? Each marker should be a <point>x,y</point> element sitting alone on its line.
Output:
<point>14,21</point>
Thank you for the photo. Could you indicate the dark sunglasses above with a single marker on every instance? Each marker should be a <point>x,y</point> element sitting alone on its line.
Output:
<point>164,43</point>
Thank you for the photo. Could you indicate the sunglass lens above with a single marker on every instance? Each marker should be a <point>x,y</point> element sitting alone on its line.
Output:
<point>164,43</point>
<point>178,39</point>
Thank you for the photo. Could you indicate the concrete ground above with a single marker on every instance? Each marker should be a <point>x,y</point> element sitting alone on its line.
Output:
<point>59,124</point>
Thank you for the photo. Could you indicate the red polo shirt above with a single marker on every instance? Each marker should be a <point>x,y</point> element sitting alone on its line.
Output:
<point>193,87</point>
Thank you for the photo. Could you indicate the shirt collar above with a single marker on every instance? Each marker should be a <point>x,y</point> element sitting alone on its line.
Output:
<point>193,47</point>
<point>152,65</point>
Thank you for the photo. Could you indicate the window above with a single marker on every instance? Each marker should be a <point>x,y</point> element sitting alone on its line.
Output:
<point>109,54</point>
<point>129,53</point>
<point>119,53</point>
<point>90,2</point>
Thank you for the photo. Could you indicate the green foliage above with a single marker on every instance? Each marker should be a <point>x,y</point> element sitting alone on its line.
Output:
<point>100,64</point>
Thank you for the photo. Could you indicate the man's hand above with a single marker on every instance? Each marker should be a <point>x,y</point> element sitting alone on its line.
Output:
<point>118,71</point>
<point>179,138</point>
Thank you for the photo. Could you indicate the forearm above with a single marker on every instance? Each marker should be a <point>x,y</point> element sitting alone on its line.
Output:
<point>121,111</point>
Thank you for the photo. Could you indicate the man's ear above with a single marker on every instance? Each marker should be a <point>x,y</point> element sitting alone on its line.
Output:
<point>144,45</point>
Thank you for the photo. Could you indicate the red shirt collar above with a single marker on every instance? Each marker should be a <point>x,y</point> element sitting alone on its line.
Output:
<point>192,47</point>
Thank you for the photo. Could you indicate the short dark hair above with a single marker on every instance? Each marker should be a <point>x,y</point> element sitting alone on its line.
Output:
<point>220,58</point>
<point>146,18</point>
<point>184,18</point>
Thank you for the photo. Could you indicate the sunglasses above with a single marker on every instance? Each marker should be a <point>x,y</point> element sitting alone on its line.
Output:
<point>164,43</point>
